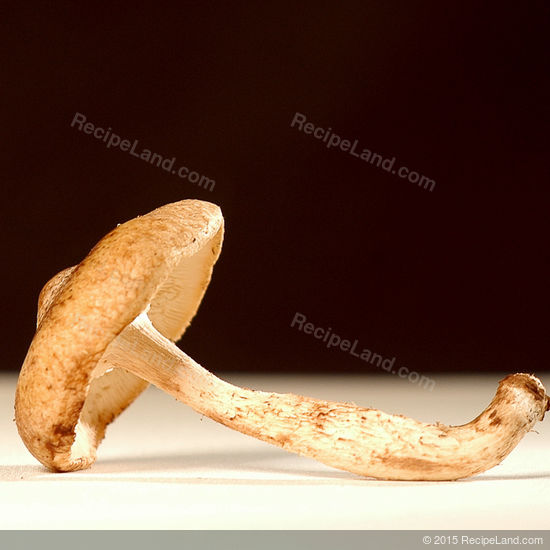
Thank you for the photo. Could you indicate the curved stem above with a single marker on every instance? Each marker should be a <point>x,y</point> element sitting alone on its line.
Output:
<point>360,440</point>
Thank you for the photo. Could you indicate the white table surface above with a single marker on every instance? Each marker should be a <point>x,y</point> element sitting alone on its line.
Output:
<point>164,466</point>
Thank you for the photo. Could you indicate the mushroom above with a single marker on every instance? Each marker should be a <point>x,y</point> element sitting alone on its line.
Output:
<point>107,327</point>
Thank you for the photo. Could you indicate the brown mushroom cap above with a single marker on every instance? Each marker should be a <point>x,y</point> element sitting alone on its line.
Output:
<point>161,263</point>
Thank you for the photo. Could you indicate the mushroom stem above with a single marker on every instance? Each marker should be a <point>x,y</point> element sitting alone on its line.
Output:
<point>360,440</point>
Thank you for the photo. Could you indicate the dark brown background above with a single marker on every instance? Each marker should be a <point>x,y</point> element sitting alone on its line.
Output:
<point>450,280</point>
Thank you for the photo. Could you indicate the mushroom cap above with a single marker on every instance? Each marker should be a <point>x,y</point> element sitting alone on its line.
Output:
<point>161,263</point>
